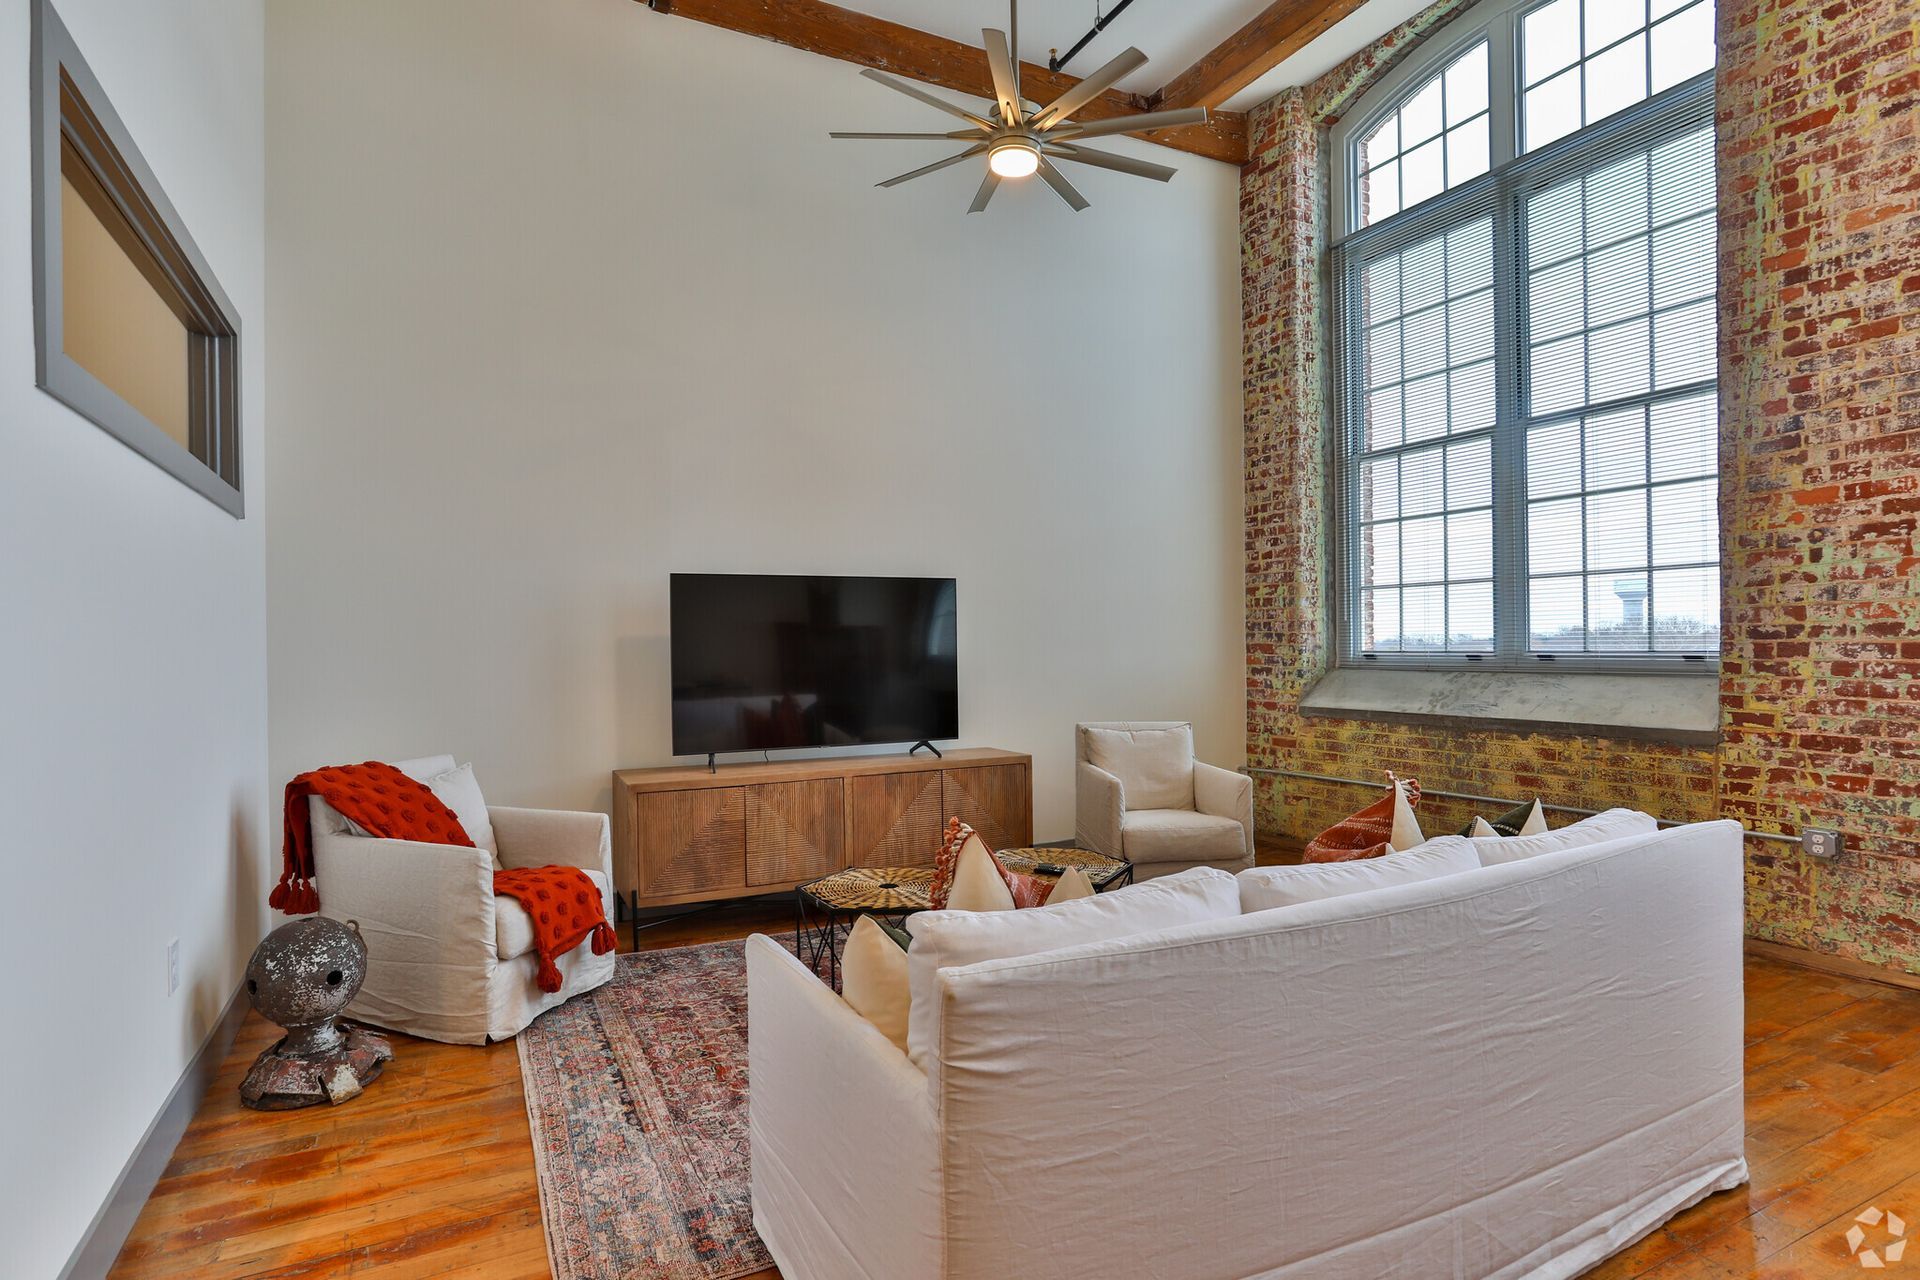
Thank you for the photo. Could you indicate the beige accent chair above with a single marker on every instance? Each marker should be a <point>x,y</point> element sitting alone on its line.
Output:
<point>1142,796</point>
<point>446,959</point>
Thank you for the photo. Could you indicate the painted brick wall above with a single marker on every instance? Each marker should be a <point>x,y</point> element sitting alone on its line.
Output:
<point>1819,107</point>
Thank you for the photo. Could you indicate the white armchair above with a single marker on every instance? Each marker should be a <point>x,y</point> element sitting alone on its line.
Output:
<point>446,959</point>
<point>1140,795</point>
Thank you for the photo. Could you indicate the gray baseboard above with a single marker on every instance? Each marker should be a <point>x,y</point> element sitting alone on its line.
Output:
<point>93,1256</point>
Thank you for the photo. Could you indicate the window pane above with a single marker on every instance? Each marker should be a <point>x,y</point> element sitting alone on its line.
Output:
<point>1423,173</point>
<point>1550,39</point>
<point>1683,47</point>
<point>1427,408</point>
<point>1423,549</point>
<point>1686,610</point>
<point>1380,620</point>
<point>1554,222</point>
<point>1467,85</point>
<point>1618,362</point>
<point>1467,152</point>
<point>1380,489</point>
<point>1469,474</point>
<point>1423,618</point>
<point>1423,482</point>
<point>1382,289</point>
<point>1557,615</point>
<point>1617,530</point>
<point>1559,375</point>
<point>1470,545</point>
<point>1553,460</point>
<point>1617,614</point>
<point>1686,523</point>
<point>1616,449</point>
<point>1685,437</point>
<point>1683,261</point>
<point>1381,198</point>
<point>1470,618</point>
<point>1683,345</point>
<point>1384,142</point>
<point>1421,117</point>
<point>1617,78</point>
<point>1554,537</point>
<point>1383,355</point>
<point>1381,552</point>
<point>1553,109</point>
<point>1608,20</point>
<point>1383,429</point>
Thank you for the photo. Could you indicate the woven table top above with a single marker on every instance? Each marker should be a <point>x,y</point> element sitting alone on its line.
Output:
<point>875,889</point>
<point>1099,867</point>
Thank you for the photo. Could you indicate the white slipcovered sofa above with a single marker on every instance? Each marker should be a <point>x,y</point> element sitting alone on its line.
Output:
<point>1511,1071</point>
<point>445,958</point>
<point>1139,794</point>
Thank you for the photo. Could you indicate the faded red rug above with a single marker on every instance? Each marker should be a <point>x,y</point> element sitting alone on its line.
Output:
<point>637,1096</point>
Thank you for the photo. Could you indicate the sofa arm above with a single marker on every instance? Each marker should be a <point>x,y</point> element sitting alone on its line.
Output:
<point>1099,804</point>
<point>553,838</point>
<point>846,1153</point>
<point>426,914</point>
<point>1224,793</point>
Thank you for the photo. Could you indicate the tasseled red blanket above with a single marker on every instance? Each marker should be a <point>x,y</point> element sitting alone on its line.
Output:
<point>383,800</point>
<point>565,909</point>
<point>563,904</point>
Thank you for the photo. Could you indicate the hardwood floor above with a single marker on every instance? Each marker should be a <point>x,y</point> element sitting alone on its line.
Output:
<point>430,1173</point>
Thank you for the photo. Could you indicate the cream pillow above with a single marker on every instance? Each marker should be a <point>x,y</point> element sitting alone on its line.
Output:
<point>1155,766</point>
<point>459,790</point>
<point>873,979</point>
<point>1071,886</point>
<point>1262,888</point>
<point>1406,828</point>
<point>1614,824</point>
<point>949,939</point>
<point>977,883</point>
<point>1482,829</point>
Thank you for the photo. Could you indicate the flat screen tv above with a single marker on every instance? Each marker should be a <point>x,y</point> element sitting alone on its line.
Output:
<point>766,662</point>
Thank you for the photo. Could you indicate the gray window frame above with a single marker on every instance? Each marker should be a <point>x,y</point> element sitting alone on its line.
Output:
<point>212,466</point>
<point>1500,194</point>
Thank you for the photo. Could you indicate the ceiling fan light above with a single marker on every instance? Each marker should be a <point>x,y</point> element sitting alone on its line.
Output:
<point>1014,158</point>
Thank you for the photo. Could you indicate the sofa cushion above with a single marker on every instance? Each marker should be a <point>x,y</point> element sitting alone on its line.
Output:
<point>1155,766</point>
<point>949,939</point>
<point>1264,887</point>
<point>873,978</point>
<point>459,790</point>
<point>1180,835</point>
<point>513,930</point>
<point>1614,824</point>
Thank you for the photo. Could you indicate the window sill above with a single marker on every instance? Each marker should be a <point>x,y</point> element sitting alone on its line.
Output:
<point>1681,709</point>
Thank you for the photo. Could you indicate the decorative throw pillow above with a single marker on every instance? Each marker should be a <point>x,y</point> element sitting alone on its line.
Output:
<point>978,882</point>
<point>1529,819</point>
<point>1262,888</point>
<point>873,978</point>
<point>1614,824</point>
<point>1382,827</point>
<point>459,790</point>
<point>1071,885</point>
<point>945,861</point>
<point>1155,766</point>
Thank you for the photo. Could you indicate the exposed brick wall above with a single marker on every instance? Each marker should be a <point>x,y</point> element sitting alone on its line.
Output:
<point>1819,107</point>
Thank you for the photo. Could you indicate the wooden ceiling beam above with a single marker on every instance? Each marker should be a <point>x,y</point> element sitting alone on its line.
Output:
<point>1280,31</point>
<point>865,41</point>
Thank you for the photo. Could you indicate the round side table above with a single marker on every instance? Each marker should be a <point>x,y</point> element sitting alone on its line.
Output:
<point>825,906</point>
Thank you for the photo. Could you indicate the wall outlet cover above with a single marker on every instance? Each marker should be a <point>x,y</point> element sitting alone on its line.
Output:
<point>1822,842</point>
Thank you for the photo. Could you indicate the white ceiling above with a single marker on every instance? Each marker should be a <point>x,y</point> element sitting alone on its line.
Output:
<point>1174,34</point>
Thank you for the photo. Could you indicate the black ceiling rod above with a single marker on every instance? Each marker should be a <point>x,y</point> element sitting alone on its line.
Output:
<point>1056,62</point>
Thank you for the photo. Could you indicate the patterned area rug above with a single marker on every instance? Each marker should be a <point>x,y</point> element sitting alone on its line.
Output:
<point>637,1095</point>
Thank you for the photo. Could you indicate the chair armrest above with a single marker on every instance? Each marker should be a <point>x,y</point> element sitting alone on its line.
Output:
<point>553,838</point>
<point>1099,804</point>
<point>414,902</point>
<point>1224,793</point>
<point>843,1131</point>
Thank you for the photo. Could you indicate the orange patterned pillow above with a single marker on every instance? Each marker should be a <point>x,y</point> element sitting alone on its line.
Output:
<point>1367,834</point>
<point>1027,891</point>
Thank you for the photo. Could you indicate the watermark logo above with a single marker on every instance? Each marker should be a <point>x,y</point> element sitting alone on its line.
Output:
<point>1887,1229</point>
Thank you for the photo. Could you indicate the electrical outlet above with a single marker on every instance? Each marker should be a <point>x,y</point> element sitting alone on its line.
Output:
<point>1822,842</point>
<point>173,966</point>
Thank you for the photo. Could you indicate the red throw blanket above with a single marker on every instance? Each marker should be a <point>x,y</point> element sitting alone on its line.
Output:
<point>563,904</point>
<point>565,909</point>
<point>383,800</point>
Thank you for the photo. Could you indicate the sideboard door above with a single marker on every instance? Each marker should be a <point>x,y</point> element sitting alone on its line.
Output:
<point>895,819</point>
<point>691,842</point>
<point>795,830</point>
<point>995,800</point>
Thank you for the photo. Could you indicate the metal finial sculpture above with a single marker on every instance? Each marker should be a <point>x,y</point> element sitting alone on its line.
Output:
<point>302,976</point>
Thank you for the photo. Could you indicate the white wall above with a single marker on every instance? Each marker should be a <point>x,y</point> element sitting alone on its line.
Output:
<point>133,683</point>
<point>571,295</point>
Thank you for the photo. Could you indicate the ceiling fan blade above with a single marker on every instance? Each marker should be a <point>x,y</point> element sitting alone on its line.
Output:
<point>958,135</point>
<point>901,86</point>
<point>1005,87</point>
<point>1062,188</point>
<point>1133,124</point>
<point>1090,88</point>
<point>988,185</point>
<point>1107,160</point>
<point>936,166</point>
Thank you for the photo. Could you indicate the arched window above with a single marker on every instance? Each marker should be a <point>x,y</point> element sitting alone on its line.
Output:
<point>1526,469</point>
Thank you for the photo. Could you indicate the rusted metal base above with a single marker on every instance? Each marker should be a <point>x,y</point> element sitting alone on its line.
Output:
<point>282,1082</point>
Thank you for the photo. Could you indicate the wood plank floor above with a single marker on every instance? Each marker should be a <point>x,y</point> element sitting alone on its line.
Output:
<point>430,1173</point>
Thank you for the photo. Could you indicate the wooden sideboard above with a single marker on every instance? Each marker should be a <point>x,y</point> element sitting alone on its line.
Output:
<point>683,834</point>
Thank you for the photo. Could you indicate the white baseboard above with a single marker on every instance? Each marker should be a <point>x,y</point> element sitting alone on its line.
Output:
<point>93,1256</point>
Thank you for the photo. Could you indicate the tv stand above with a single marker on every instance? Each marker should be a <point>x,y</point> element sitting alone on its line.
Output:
<point>915,749</point>
<point>699,832</point>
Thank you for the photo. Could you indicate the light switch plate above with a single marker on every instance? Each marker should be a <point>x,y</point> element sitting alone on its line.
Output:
<point>1822,842</point>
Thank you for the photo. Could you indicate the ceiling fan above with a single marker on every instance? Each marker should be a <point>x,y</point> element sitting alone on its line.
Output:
<point>1020,138</point>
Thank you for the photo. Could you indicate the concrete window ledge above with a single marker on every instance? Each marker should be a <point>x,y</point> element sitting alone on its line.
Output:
<point>1683,709</point>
